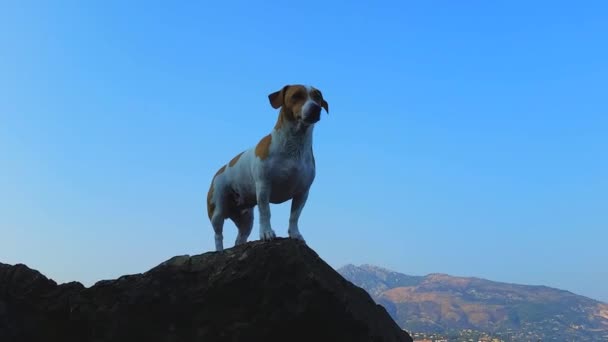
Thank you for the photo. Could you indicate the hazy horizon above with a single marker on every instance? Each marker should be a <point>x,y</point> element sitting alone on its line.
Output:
<point>466,140</point>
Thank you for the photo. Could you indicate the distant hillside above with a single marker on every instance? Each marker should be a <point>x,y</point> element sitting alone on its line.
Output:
<point>443,303</point>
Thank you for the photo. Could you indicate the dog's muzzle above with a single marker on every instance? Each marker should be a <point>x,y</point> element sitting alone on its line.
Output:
<point>313,113</point>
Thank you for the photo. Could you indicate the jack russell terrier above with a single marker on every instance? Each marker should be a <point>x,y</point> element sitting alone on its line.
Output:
<point>279,168</point>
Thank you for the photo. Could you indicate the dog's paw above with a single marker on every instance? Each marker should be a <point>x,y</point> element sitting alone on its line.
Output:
<point>267,235</point>
<point>296,235</point>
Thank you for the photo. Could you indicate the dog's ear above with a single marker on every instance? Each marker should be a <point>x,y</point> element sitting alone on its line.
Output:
<point>277,98</point>
<point>325,106</point>
<point>324,103</point>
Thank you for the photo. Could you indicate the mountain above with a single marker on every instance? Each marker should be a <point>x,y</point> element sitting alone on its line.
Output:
<point>443,303</point>
<point>260,291</point>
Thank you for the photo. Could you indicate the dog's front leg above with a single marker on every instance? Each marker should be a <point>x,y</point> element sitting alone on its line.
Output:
<point>263,199</point>
<point>297,204</point>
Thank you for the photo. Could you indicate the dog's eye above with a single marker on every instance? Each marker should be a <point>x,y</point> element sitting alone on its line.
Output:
<point>316,95</point>
<point>297,97</point>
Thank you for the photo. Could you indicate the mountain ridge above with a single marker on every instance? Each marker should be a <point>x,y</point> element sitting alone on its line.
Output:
<point>370,266</point>
<point>439,302</point>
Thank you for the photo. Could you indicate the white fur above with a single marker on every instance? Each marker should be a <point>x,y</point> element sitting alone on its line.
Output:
<point>287,173</point>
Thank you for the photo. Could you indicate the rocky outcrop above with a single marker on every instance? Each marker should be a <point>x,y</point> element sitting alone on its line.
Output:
<point>279,290</point>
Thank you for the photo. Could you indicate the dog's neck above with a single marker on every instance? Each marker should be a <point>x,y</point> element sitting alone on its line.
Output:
<point>293,136</point>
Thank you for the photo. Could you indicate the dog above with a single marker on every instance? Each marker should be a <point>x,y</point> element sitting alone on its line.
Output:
<point>279,168</point>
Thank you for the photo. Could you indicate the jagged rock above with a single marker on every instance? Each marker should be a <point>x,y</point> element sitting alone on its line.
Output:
<point>260,291</point>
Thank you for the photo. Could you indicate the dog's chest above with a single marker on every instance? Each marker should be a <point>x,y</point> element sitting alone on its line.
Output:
<point>290,177</point>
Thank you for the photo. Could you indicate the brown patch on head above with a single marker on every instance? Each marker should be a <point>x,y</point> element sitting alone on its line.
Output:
<point>262,149</point>
<point>235,159</point>
<point>290,99</point>
<point>210,204</point>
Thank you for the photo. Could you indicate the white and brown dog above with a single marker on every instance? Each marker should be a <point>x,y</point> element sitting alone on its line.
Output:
<point>279,168</point>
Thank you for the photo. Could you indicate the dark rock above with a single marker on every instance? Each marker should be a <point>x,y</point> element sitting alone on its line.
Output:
<point>279,290</point>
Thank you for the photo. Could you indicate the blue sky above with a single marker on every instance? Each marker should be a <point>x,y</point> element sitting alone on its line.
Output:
<point>467,139</point>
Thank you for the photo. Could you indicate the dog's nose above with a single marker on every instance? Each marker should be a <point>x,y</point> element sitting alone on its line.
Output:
<point>314,112</point>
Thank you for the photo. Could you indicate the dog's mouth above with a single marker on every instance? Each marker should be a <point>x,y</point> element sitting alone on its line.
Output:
<point>311,119</point>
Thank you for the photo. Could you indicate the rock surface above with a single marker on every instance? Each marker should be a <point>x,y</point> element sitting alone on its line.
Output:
<point>279,290</point>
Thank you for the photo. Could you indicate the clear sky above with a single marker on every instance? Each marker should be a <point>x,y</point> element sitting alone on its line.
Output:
<point>467,138</point>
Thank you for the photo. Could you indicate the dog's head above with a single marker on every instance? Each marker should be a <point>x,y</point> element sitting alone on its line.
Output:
<point>299,103</point>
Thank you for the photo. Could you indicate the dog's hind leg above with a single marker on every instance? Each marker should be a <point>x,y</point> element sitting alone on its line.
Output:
<point>217,221</point>
<point>244,222</point>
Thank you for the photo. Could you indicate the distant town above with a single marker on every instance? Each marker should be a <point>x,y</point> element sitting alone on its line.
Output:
<point>528,333</point>
<point>469,335</point>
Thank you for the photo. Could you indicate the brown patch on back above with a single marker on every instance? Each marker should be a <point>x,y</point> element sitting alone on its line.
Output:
<point>262,149</point>
<point>220,171</point>
<point>210,204</point>
<point>235,159</point>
